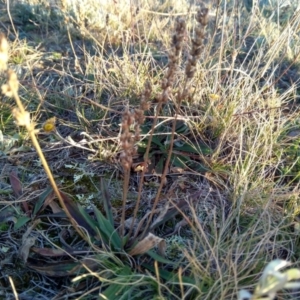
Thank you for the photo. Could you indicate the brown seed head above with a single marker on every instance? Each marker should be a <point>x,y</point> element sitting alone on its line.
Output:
<point>3,52</point>
<point>202,16</point>
<point>127,139</point>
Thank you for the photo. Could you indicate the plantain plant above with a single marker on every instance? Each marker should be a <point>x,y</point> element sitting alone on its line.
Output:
<point>113,243</point>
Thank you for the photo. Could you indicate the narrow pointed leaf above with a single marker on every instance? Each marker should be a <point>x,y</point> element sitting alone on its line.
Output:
<point>15,183</point>
<point>64,268</point>
<point>50,252</point>
<point>159,258</point>
<point>115,290</point>
<point>196,149</point>
<point>74,211</point>
<point>170,276</point>
<point>17,188</point>
<point>21,221</point>
<point>107,231</point>
<point>88,219</point>
<point>159,168</point>
<point>48,193</point>
<point>106,201</point>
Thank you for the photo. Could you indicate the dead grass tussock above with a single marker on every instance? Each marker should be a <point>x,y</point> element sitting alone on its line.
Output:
<point>229,259</point>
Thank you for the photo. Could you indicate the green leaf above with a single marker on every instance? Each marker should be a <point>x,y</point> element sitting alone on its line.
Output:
<point>106,201</point>
<point>21,221</point>
<point>118,291</point>
<point>159,168</point>
<point>79,215</point>
<point>88,218</point>
<point>181,127</point>
<point>197,166</point>
<point>125,239</point>
<point>179,161</point>
<point>156,139</point>
<point>42,199</point>
<point>159,258</point>
<point>108,233</point>
<point>185,280</point>
<point>171,276</point>
<point>196,148</point>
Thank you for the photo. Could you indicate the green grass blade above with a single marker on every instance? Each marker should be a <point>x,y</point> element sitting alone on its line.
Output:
<point>159,258</point>
<point>170,276</point>
<point>107,231</point>
<point>106,201</point>
<point>119,290</point>
<point>196,149</point>
<point>88,219</point>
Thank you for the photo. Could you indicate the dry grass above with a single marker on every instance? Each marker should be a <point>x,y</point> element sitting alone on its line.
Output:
<point>206,134</point>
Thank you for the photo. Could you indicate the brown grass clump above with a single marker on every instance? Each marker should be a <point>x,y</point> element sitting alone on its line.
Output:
<point>173,162</point>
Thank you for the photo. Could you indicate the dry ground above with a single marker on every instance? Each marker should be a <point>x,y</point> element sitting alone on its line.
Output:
<point>234,168</point>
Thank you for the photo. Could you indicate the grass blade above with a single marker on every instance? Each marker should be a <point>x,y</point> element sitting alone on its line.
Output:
<point>118,290</point>
<point>106,201</point>
<point>107,231</point>
<point>42,199</point>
